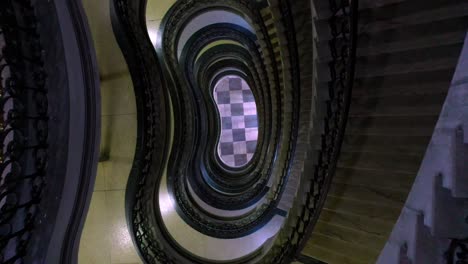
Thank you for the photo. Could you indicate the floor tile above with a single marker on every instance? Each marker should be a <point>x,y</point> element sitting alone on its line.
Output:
<point>226,123</point>
<point>247,96</point>
<point>251,146</point>
<point>250,108</point>
<point>238,135</point>
<point>227,149</point>
<point>236,97</point>
<point>235,84</point>
<point>109,56</point>
<point>95,240</point>
<point>122,249</point>
<point>116,173</point>
<point>237,109</point>
<point>121,144</point>
<point>118,96</point>
<point>100,183</point>
<point>226,136</point>
<point>251,121</point>
<point>223,97</point>
<point>156,9</point>
<point>240,147</point>
<point>239,121</point>
<point>251,134</point>
<point>240,159</point>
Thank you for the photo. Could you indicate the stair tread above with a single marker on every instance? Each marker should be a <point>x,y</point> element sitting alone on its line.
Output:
<point>367,240</point>
<point>391,125</point>
<point>374,178</point>
<point>358,223</point>
<point>384,161</point>
<point>406,55</point>
<point>421,60</point>
<point>390,64</point>
<point>369,194</point>
<point>382,213</point>
<point>386,143</point>
<point>398,105</point>
<point>371,46</point>
<point>340,247</point>
<point>323,10</point>
<point>328,256</point>
<point>403,84</point>
<point>410,13</point>
<point>399,15</point>
<point>412,37</point>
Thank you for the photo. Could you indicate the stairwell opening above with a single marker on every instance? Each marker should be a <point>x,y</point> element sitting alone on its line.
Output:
<point>238,121</point>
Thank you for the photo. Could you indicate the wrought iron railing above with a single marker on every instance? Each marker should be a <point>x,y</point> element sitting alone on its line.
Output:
<point>23,128</point>
<point>220,177</point>
<point>457,252</point>
<point>143,214</point>
<point>283,156</point>
<point>343,27</point>
<point>264,213</point>
<point>140,199</point>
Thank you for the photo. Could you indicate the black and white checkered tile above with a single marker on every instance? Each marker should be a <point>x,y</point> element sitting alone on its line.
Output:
<point>239,124</point>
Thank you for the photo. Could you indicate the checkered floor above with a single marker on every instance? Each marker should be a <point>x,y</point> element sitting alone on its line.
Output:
<point>239,131</point>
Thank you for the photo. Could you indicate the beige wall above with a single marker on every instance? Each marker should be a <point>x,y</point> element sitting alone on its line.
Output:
<point>105,238</point>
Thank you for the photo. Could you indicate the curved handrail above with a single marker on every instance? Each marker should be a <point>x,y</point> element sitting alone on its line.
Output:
<point>343,26</point>
<point>44,197</point>
<point>24,129</point>
<point>343,45</point>
<point>143,213</point>
<point>128,24</point>
<point>457,251</point>
<point>282,158</point>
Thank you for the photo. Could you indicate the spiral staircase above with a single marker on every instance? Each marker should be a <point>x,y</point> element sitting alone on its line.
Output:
<point>407,52</point>
<point>360,154</point>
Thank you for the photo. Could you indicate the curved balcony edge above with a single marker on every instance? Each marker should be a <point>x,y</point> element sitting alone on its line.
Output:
<point>84,111</point>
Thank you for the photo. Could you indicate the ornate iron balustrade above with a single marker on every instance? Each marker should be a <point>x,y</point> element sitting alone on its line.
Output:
<point>457,252</point>
<point>265,212</point>
<point>45,60</point>
<point>130,29</point>
<point>282,158</point>
<point>343,26</point>
<point>23,128</point>
<point>143,215</point>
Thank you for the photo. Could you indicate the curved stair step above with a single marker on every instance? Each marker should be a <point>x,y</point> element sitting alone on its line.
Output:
<point>410,13</point>
<point>399,15</point>
<point>356,252</point>
<point>379,212</point>
<point>380,161</point>
<point>374,178</point>
<point>328,256</point>
<point>390,64</point>
<point>363,239</point>
<point>398,105</point>
<point>414,83</point>
<point>322,9</point>
<point>413,37</point>
<point>385,143</point>
<point>421,60</point>
<point>366,194</point>
<point>356,222</point>
<point>391,125</point>
<point>406,56</point>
